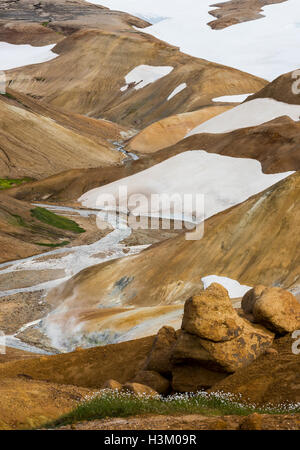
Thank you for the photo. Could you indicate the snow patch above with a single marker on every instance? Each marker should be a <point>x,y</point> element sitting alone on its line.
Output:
<point>176,91</point>
<point>12,56</point>
<point>223,180</point>
<point>249,114</point>
<point>234,288</point>
<point>143,75</point>
<point>232,98</point>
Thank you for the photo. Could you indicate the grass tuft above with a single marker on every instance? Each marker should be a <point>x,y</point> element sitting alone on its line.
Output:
<point>48,217</point>
<point>110,403</point>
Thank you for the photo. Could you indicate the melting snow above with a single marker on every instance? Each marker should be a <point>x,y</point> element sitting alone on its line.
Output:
<point>249,114</point>
<point>12,56</point>
<point>143,75</point>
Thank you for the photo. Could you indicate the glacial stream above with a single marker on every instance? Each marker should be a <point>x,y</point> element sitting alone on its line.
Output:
<point>69,259</point>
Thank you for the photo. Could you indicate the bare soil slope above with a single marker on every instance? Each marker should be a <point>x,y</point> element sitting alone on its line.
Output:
<point>27,403</point>
<point>36,142</point>
<point>87,368</point>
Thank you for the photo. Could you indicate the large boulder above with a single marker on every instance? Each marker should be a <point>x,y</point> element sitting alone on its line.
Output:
<point>139,389</point>
<point>225,356</point>
<point>188,348</point>
<point>278,310</point>
<point>275,308</point>
<point>154,380</point>
<point>250,298</point>
<point>193,378</point>
<point>210,315</point>
<point>159,357</point>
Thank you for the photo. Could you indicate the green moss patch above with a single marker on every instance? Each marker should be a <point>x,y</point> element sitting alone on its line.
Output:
<point>6,183</point>
<point>60,244</point>
<point>48,217</point>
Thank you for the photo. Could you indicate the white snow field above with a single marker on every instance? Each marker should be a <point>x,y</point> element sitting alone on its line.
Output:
<point>12,56</point>
<point>249,114</point>
<point>232,98</point>
<point>267,47</point>
<point>176,91</point>
<point>234,288</point>
<point>143,75</point>
<point>222,180</point>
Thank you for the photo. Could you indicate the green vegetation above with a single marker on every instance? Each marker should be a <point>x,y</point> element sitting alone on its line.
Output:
<point>6,183</point>
<point>48,217</point>
<point>114,404</point>
<point>45,24</point>
<point>61,244</point>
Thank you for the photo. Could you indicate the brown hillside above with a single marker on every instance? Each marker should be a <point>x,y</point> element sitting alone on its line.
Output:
<point>103,58</point>
<point>285,89</point>
<point>38,141</point>
<point>275,144</point>
<point>171,130</point>
<point>87,368</point>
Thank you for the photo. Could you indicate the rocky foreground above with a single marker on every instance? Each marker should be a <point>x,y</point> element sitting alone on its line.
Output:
<point>248,353</point>
<point>216,341</point>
